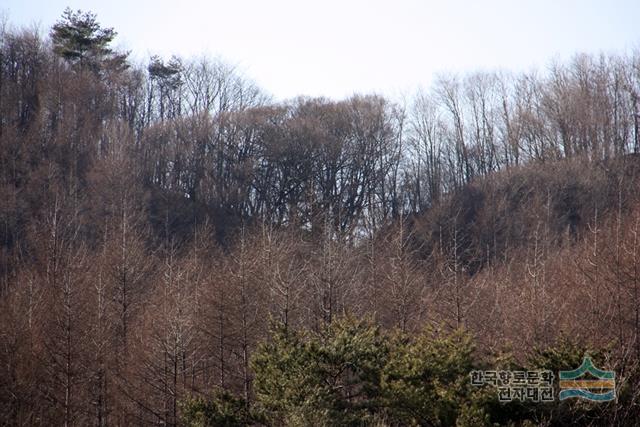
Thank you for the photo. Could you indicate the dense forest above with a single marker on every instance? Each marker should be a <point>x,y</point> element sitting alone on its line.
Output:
<point>177,248</point>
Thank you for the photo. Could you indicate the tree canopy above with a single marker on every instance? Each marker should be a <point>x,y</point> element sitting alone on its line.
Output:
<point>79,38</point>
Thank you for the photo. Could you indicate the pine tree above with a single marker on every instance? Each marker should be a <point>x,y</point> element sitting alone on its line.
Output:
<point>79,39</point>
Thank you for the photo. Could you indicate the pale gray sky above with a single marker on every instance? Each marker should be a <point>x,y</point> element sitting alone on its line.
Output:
<point>335,48</point>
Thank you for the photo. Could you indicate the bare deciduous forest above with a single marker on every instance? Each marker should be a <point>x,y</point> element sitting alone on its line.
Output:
<point>176,248</point>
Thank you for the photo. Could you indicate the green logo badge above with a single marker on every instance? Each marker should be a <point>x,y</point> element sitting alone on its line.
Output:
<point>600,388</point>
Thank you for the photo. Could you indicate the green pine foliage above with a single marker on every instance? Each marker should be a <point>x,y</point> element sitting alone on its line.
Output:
<point>353,373</point>
<point>79,39</point>
<point>331,378</point>
<point>426,380</point>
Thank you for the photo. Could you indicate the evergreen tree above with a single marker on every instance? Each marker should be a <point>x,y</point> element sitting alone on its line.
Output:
<point>79,39</point>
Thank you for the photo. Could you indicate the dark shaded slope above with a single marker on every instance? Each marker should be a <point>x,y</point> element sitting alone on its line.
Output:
<point>556,202</point>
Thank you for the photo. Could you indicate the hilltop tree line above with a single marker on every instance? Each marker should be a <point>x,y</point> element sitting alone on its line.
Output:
<point>169,232</point>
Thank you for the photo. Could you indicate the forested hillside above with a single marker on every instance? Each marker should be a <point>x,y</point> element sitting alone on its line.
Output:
<point>177,248</point>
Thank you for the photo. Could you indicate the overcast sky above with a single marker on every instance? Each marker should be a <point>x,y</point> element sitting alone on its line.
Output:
<point>335,48</point>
